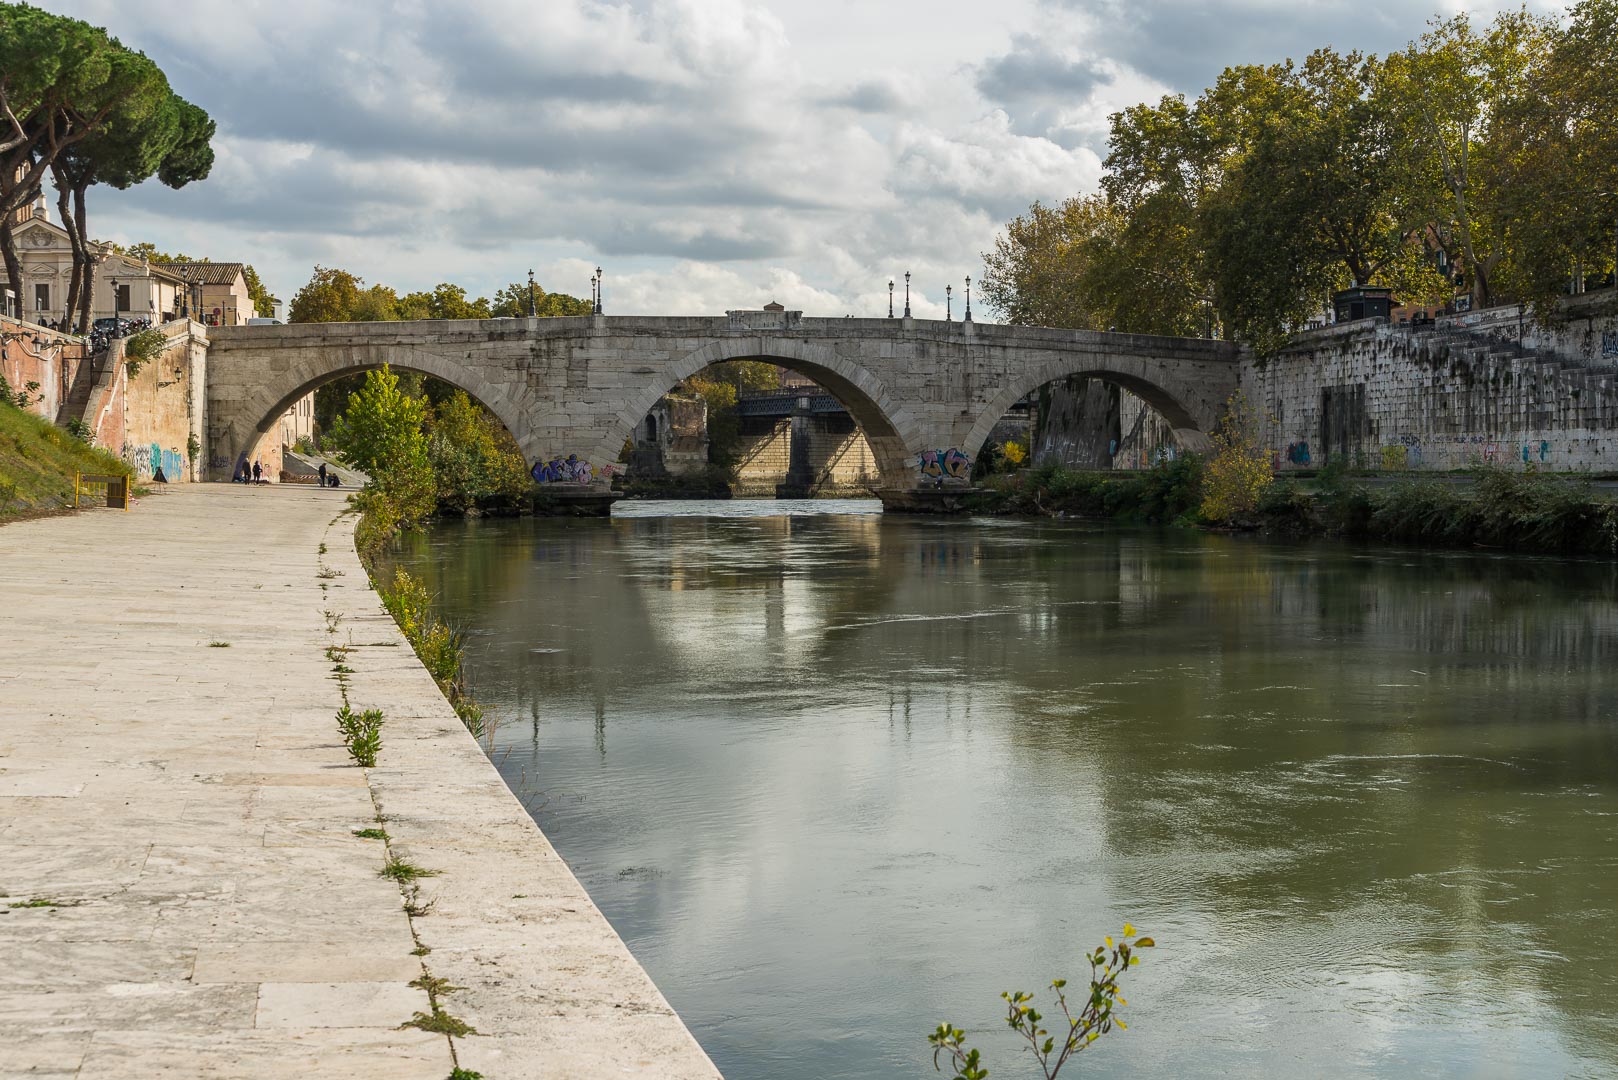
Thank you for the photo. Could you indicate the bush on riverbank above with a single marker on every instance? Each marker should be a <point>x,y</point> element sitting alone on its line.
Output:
<point>37,463</point>
<point>1169,492</point>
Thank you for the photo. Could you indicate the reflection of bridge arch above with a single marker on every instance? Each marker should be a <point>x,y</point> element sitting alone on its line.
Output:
<point>856,389</point>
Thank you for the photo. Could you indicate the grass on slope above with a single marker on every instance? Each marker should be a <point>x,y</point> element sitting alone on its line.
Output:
<point>37,463</point>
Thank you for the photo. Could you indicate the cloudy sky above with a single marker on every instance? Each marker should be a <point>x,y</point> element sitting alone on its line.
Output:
<point>709,154</point>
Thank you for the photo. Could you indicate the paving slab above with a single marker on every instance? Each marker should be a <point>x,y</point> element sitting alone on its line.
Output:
<point>182,892</point>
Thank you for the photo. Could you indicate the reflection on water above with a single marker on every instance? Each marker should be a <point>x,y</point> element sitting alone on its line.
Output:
<point>836,777</point>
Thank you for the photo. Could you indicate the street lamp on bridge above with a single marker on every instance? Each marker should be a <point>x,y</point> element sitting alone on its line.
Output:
<point>532,311</point>
<point>948,289</point>
<point>907,294</point>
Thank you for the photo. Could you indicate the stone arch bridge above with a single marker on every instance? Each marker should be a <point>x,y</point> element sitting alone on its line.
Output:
<point>926,393</point>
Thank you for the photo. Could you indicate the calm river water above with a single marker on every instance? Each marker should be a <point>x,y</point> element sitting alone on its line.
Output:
<point>836,776</point>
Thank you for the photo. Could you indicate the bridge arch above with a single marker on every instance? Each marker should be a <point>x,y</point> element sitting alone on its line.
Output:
<point>1191,420</point>
<point>887,428</point>
<point>267,402</point>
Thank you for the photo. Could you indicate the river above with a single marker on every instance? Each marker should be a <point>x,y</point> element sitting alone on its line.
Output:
<point>836,776</point>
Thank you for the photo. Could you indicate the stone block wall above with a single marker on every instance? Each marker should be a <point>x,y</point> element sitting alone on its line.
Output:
<point>1448,398</point>
<point>152,418</point>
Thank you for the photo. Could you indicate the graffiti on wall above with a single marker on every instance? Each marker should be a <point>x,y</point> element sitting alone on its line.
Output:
<point>1543,451</point>
<point>570,470</point>
<point>937,464</point>
<point>1298,453</point>
<point>1609,343</point>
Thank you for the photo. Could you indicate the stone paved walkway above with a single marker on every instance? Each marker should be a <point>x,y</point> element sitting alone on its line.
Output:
<point>181,892</point>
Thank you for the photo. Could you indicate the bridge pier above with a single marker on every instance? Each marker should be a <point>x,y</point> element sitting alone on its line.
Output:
<point>925,500</point>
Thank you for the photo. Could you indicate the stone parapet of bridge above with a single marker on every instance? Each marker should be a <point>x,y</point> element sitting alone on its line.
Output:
<point>574,388</point>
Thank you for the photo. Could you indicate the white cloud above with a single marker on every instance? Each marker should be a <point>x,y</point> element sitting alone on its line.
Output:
<point>709,153</point>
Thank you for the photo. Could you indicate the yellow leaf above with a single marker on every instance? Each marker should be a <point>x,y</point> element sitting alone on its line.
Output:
<point>1129,930</point>
<point>1109,941</point>
<point>1121,1025</point>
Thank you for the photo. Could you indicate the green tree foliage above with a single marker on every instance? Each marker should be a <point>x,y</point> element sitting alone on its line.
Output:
<point>70,93</point>
<point>1488,150</point>
<point>334,295</point>
<point>474,458</point>
<point>512,301</point>
<point>380,432</point>
<point>1453,93</point>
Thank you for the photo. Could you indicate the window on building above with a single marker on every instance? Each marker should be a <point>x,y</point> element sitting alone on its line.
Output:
<point>123,298</point>
<point>42,297</point>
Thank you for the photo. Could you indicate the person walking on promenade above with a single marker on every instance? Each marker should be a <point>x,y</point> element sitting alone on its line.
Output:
<point>258,473</point>
<point>322,474</point>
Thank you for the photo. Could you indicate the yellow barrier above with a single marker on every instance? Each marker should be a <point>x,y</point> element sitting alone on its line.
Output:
<point>111,487</point>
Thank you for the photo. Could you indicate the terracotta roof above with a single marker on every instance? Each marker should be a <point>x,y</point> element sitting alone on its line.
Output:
<point>204,273</point>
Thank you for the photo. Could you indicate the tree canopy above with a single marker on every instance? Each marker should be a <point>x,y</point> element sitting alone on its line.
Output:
<point>78,106</point>
<point>1482,159</point>
<point>335,295</point>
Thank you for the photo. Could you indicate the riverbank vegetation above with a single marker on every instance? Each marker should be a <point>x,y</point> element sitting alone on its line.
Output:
<point>1496,507</point>
<point>38,461</point>
<point>1480,160</point>
<point>422,458</point>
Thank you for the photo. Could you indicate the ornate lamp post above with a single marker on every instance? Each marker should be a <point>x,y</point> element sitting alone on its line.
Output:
<point>907,294</point>
<point>947,290</point>
<point>601,289</point>
<point>890,298</point>
<point>532,311</point>
<point>968,317</point>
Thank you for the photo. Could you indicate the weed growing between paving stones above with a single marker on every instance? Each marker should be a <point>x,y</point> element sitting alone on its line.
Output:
<point>218,644</point>
<point>41,902</point>
<point>403,870</point>
<point>327,573</point>
<point>464,1074</point>
<point>362,734</point>
<point>441,1022</point>
<point>370,834</point>
<point>413,905</point>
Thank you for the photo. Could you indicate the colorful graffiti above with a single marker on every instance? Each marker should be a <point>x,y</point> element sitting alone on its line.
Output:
<point>1609,343</point>
<point>1298,453</point>
<point>937,464</point>
<point>571,470</point>
<point>1528,451</point>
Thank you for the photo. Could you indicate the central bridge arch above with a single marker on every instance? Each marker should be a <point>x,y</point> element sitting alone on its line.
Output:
<point>858,390</point>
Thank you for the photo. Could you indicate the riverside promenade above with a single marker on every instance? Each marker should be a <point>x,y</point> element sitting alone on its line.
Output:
<point>181,890</point>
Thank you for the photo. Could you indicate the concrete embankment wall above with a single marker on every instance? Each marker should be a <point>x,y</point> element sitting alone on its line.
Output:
<point>186,894</point>
<point>1446,398</point>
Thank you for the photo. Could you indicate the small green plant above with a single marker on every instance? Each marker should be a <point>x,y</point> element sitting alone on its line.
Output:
<point>459,1073</point>
<point>440,1022</point>
<point>370,834</point>
<point>327,573</point>
<point>41,902</point>
<point>142,348</point>
<point>435,985</point>
<point>79,430</point>
<point>1074,1031</point>
<point>323,547</point>
<point>362,734</point>
<point>342,669</point>
<point>403,870</point>
<point>218,644</point>
<point>421,950</point>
